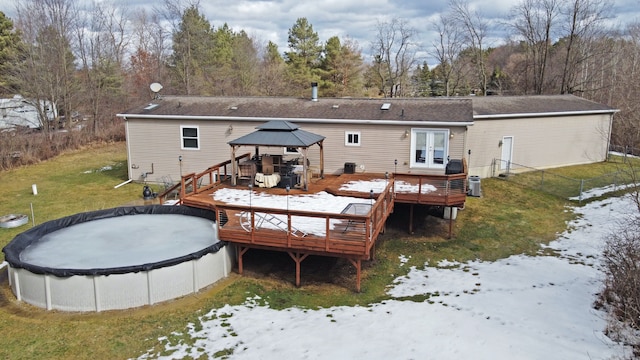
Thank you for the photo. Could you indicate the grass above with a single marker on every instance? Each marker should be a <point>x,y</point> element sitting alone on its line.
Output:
<point>508,219</point>
<point>567,181</point>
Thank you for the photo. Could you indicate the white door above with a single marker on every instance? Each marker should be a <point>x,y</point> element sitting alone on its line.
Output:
<point>429,148</point>
<point>507,152</point>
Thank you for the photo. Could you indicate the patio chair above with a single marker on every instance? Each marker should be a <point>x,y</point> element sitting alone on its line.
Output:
<point>260,218</point>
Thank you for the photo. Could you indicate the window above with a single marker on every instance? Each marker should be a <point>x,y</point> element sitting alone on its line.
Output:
<point>190,137</point>
<point>429,148</point>
<point>352,138</point>
<point>291,151</point>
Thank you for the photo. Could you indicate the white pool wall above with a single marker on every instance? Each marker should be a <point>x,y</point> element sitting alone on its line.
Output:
<point>120,291</point>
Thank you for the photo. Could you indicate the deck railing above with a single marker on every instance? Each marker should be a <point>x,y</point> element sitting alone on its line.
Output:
<point>338,234</point>
<point>195,183</point>
<point>445,190</point>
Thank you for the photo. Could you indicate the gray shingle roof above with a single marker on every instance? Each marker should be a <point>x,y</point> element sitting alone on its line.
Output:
<point>449,110</point>
<point>504,105</point>
<point>278,133</point>
<point>276,108</point>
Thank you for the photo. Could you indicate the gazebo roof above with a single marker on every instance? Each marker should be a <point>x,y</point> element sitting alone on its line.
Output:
<point>278,133</point>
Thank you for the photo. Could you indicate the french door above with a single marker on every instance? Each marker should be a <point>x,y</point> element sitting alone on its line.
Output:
<point>429,148</point>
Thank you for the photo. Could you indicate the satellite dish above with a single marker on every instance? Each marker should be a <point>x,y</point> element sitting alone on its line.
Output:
<point>155,87</point>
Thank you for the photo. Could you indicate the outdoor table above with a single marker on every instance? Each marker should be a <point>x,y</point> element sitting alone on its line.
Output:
<point>355,209</point>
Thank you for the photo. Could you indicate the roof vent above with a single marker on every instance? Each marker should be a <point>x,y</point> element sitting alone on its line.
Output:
<point>234,108</point>
<point>385,106</point>
<point>335,106</point>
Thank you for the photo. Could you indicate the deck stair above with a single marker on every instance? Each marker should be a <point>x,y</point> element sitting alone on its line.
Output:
<point>260,218</point>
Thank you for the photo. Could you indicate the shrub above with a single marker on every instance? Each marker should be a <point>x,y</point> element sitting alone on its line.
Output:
<point>27,146</point>
<point>621,294</point>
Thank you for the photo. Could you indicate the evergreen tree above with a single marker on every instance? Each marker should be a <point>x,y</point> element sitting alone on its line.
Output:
<point>10,48</point>
<point>341,68</point>
<point>422,80</point>
<point>245,65</point>
<point>192,57</point>
<point>304,57</point>
<point>273,71</point>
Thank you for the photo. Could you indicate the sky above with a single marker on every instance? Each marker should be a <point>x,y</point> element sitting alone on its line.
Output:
<point>521,307</point>
<point>270,20</point>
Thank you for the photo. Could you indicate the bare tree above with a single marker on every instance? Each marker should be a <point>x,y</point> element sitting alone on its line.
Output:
<point>102,37</point>
<point>394,53</point>
<point>475,28</point>
<point>623,92</point>
<point>47,70</point>
<point>147,64</point>
<point>446,49</point>
<point>534,21</point>
<point>584,21</point>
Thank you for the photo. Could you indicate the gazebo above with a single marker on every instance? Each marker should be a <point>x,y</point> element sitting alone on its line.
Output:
<point>279,133</point>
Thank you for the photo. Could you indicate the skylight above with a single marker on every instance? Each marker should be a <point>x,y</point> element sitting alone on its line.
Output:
<point>385,106</point>
<point>151,106</point>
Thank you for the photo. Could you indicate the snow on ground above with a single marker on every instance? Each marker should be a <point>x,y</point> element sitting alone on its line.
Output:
<point>522,307</point>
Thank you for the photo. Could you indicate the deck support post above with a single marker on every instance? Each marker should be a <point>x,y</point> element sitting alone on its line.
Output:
<point>411,219</point>
<point>298,258</point>
<point>450,222</point>
<point>241,251</point>
<point>357,263</point>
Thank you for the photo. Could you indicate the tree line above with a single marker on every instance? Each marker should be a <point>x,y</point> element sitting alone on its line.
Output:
<point>97,59</point>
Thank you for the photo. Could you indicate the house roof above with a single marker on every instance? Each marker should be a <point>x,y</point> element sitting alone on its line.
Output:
<point>444,110</point>
<point>538,105</point>
<point>278,133</point>
<point>457,111</point>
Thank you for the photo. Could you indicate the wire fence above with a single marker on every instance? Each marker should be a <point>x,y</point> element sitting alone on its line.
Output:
<point>563,186</point>
<point>625,150</point>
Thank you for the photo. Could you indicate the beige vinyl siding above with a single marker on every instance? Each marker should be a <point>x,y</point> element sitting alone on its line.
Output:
<point>380,146</point>
<point>159,142</point>
<point>543,142</point>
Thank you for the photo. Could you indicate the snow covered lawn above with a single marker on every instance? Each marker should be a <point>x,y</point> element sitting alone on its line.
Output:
<point>521,307</point>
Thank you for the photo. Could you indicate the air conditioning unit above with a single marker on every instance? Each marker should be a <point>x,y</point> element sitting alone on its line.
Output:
<point>474,186</point>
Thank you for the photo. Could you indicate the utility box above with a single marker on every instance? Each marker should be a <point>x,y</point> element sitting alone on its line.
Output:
<point>474,186</point>
<point>349,168</point>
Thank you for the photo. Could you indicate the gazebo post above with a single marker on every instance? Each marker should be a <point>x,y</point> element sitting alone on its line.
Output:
<point>305,168</point>
<point>321,159</point>
<point>234,167</point>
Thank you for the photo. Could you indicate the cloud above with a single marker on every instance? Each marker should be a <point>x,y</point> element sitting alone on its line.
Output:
<point>270,20</point>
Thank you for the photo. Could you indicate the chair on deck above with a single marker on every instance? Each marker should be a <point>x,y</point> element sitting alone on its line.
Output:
<point>260,218</point>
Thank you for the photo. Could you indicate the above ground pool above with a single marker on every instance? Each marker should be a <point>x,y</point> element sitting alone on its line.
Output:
<point>117,258</point>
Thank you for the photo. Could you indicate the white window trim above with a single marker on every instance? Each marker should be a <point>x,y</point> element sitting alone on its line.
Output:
<point>182,137</point>
<point>426,165</point>
<point>346,138</point>
<point>286,152</point>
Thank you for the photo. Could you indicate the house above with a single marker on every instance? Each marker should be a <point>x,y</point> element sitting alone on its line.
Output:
<point>176,135</point>
<point>417,140</point>
<point>19,112</point>
<point>543,131</point>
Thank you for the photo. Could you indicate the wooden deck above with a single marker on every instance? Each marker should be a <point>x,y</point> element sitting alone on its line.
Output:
<point>350,235</point>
